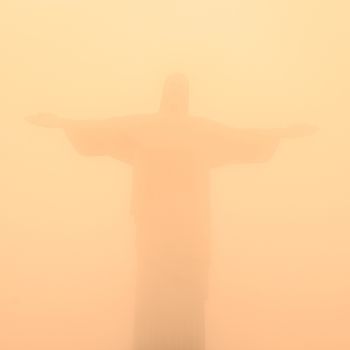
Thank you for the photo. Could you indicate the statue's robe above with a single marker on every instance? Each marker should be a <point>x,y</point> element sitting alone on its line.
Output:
<point>171,160</point>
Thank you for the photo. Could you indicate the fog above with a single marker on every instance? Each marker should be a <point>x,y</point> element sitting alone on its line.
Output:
<point>280,265</point>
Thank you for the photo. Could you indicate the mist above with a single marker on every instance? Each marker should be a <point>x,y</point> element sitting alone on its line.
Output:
<point>280,242</point>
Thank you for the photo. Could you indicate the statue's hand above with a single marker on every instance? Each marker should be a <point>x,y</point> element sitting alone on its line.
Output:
<point>300,130</point>
<point>46,120</point>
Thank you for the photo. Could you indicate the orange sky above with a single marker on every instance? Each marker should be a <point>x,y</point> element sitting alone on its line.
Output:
<point>281,243</point>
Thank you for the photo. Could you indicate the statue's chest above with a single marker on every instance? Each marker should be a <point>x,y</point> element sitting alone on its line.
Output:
<point>167,168</point>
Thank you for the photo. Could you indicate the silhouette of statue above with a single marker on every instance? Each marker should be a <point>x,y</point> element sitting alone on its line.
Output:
<point>172,154</point>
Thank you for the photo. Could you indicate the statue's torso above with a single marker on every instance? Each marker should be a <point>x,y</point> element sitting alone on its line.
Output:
<point>170,172</point>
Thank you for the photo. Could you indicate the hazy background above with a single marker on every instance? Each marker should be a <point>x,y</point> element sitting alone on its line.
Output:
<point>281,244</point>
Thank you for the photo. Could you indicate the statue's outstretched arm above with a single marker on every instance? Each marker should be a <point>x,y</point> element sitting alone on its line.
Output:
<point>226,145</point>
<point>112,137</point>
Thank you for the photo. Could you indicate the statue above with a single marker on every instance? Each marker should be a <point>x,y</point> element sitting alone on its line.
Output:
<point>171,153</point>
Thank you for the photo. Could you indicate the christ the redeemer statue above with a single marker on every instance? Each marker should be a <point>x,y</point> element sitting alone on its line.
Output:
<point>172,154</point>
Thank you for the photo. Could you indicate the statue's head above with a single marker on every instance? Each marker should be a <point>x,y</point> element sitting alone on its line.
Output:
<point>175,99</point>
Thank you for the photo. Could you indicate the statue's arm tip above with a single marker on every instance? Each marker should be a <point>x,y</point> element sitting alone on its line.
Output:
<point>312,129</point>
<point>44,120</point>
<point>300,130</point>
<point>31,119</point>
